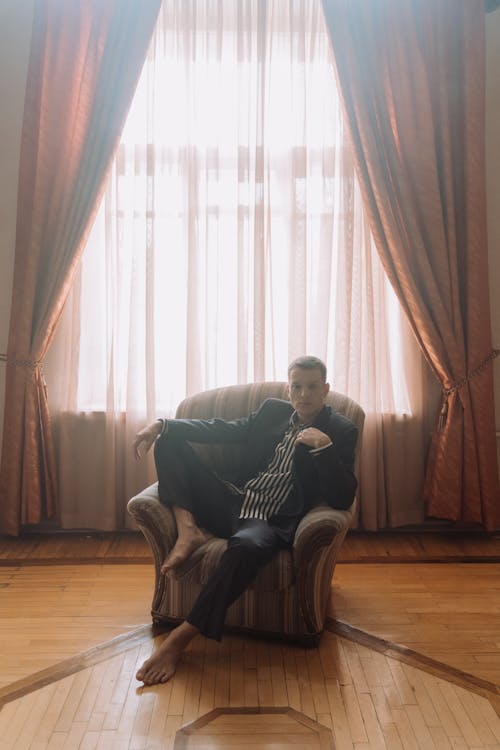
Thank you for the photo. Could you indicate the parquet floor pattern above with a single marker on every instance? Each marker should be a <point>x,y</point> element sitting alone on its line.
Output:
<point>254,728</point>
<point>51,613</point>
<point>371,702</point>
<point>448,612</point>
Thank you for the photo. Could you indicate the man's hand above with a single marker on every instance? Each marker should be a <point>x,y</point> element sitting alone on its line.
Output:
<point>145,438</point>
<point>313,437</point>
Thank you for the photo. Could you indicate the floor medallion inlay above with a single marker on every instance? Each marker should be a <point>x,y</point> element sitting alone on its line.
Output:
<point>257,728</point>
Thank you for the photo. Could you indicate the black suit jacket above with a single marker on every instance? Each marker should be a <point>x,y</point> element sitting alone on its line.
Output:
<point>323,477</point>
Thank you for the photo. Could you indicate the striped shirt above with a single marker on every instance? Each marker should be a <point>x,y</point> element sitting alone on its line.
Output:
<point>265,494</point>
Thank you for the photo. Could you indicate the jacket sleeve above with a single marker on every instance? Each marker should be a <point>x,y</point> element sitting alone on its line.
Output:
<point>335,469</point>
<point>210,430</point>
<point>253,429</point>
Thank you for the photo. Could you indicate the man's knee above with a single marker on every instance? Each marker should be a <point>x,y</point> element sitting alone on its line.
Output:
<point>166,444</point>
<point>174,456</point>
<point>258,544</point>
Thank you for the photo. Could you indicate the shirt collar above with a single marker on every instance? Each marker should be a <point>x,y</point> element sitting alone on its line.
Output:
<point>294,422</point>
<point>294,419</point>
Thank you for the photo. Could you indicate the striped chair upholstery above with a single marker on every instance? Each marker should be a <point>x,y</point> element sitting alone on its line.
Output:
<point>289,597</point>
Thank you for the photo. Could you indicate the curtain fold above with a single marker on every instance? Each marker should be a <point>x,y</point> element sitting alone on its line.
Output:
<point>85,61</point>
<point>411,77</point>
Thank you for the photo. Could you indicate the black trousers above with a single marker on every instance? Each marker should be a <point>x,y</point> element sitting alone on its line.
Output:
<point>186,482</point>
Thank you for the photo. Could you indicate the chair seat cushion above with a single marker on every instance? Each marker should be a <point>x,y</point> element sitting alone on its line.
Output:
<point>277,574</point>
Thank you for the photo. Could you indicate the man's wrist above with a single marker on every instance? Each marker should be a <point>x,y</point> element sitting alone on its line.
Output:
<point>164,426</point>
<point>321,447</point>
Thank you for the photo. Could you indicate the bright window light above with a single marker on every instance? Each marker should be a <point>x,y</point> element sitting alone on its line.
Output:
<point>219,249</point>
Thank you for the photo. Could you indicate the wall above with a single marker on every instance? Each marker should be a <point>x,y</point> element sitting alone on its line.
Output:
<point>15,31</point>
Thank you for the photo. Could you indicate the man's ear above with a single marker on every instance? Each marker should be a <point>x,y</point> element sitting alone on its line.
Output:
<point>327,389</point>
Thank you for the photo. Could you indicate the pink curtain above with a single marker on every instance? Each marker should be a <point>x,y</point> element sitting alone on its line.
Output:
<point>86,58</point>
<point>411,76</point>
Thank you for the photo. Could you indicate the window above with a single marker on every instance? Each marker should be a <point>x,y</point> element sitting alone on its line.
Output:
<point>231,236</point>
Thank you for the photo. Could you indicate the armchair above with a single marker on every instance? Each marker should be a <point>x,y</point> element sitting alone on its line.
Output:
<point>289,597</point>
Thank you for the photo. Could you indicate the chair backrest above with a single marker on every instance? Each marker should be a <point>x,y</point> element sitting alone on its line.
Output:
<point>231,402</point>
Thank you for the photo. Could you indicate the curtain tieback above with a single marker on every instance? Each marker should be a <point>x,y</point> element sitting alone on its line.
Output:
<point>33,364</point>
<point>447,392</point>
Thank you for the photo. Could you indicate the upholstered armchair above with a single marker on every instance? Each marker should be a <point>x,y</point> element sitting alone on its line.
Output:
<point>289,597</point>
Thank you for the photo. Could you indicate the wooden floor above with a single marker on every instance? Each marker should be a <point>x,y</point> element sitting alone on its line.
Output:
<point>449,613</point>
<point>412,662</point>
<point>51,613</point>
<point>390,546</point>
<point>365,699</point>
<point>78,547</point>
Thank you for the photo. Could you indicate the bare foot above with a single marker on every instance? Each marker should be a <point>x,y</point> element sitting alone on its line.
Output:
<point>183,548</point>
<point>161,666</point>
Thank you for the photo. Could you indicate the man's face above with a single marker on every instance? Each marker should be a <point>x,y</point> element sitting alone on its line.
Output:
<point>307,391</point>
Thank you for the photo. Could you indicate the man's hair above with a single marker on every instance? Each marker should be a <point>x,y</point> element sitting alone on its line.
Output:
<point>308,362</point>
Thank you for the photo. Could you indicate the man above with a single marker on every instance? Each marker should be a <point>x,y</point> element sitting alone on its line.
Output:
<point>298,454</point>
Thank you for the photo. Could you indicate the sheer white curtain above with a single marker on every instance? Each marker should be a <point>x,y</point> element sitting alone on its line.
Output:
<point>231,238</point>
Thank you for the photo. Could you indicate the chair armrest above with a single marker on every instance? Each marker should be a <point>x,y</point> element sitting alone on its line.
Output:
<point>317,542</point>
<point>318,529</point>
<point>156,522</point>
